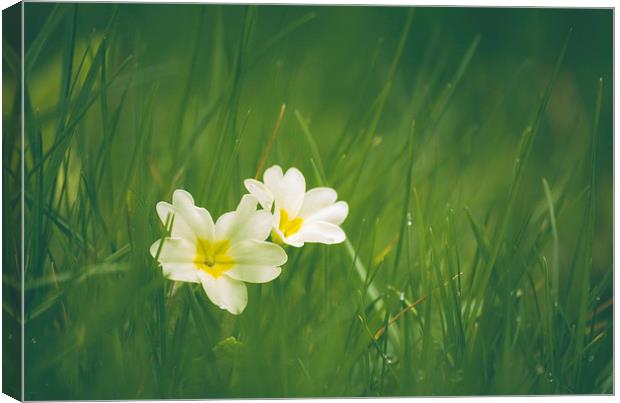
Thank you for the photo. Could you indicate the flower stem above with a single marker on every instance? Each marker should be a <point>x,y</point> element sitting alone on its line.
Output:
<point>283,339</point>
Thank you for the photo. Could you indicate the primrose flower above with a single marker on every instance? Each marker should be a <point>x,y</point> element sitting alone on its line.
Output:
<point>219,256</point>
<point>299,216</point>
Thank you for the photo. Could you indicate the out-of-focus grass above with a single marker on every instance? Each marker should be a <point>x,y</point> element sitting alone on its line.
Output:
<point>472,145</point>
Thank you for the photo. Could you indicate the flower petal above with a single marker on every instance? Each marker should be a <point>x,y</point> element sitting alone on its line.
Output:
<point>181,272</point>
<point>334,214</point>
<point>224,225</point>
<point>180,229</point>
<point>296,242</point>
<point>225,292</point>
<point>292,192</point>
<point>258,253</point>
<point>257,227</point>
<point>246,206</point>
<point>272,177</point>
<point>319,231</point>
<point>174,250</point>
<point>254,274</point>
<point>197,218</point>
<point>288,190</point>
<point>244,223</point>
<point>176,258</point>
<point>317,199</point>
<point>260,191</point>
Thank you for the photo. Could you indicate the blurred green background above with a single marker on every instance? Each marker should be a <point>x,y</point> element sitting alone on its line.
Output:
<point>479,180</point>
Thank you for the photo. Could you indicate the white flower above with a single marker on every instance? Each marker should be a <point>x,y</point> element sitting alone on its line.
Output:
<point>299,216</point>
<point>220,256</point>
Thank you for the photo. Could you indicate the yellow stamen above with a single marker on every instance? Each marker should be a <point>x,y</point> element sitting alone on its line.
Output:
<point>287,226</point>
<point>212,257</point>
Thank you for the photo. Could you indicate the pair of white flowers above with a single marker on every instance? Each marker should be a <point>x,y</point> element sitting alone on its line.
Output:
<point>222,255</point>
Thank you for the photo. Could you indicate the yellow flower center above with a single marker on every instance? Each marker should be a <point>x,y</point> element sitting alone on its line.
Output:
<point>288,226</point>
<point>212,257</point>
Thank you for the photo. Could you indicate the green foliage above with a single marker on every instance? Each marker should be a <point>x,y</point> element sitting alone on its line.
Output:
<point>478,258</point>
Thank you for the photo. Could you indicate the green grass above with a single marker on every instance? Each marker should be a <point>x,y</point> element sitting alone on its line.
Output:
<point>474,154</point>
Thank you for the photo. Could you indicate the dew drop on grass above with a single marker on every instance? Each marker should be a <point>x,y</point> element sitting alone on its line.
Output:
<point>33,340</point>
<point>590,358</point>
<point>549,376</point>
